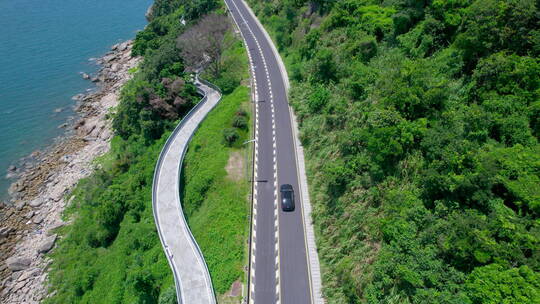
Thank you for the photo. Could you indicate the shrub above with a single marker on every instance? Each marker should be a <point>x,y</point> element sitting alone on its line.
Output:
<point>227,84</point>
<point>168,296</point>
<point>240,122</point>
<point>230,135</point>
<point>241,113</point>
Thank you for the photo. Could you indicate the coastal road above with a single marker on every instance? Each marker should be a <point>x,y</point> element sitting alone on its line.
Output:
<point>279,269</point>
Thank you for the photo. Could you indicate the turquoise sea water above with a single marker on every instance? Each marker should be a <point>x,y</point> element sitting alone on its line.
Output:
<point>44,45</point>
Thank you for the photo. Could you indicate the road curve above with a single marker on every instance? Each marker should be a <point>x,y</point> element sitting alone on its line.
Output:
<point>191,276</point>
<point>284,265</point>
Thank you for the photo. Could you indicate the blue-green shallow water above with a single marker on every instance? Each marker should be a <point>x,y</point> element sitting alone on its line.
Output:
<point>44,44</point>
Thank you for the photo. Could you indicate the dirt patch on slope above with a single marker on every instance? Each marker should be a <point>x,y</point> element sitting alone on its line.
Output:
<point>235,166</point>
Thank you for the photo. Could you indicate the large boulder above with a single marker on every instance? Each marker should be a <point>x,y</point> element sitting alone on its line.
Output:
<point>109,58</point>
<point>38,201</point>
<point>16,187</point>
<point>123,46</point>
<point>115,67</point>
<point>16,263</point>
<point>47,244</point>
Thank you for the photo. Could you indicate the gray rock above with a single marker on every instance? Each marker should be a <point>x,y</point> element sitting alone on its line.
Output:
<point>108,58</point>
<point>115,67</point>
<point>47,244</point>
<point>15,263</point>
<point>66,158</point>
<point>16,275</point>
<point>149,13</point>
<point>78,97</point>
<point>36,202</point>
<point>56,226</point>
<point>18,286</point>
<point>12,168</point>
<point>28,274</point>
<point>16,187</point>
<point>4,231</point>
<point>37,219</point>
<point>11,175</point>
<point>20,205</point>
<point>85,76</point>
<point>126,56</point>
<point>6,281</point>
<point>123,46</point>
<point>29,214</point>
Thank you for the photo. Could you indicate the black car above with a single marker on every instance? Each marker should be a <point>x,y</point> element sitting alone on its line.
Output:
<point>287,197</point>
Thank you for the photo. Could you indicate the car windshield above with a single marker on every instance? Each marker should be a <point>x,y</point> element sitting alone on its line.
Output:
<point>287,195</point>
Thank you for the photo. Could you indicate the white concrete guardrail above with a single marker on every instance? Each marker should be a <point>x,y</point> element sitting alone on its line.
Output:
<point>191,275</point>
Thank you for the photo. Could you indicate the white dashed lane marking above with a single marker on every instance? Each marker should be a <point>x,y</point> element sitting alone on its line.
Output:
<point>274,148</point>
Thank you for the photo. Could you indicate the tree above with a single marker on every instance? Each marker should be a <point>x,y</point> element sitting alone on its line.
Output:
<point>495,284</point>
<point>230,135</point>
<point>203,44</point>
<point>494,25</point>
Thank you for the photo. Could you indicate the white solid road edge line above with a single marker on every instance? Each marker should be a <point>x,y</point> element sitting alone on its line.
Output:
<point>315,270</point>
<point>313,256</point>
<point>255,97</point>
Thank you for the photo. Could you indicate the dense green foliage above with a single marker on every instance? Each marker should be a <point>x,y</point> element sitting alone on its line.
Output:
<point>111,252</point>
<point>420,121</point>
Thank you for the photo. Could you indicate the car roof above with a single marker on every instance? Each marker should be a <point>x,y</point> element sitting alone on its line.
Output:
<point>285,187</point>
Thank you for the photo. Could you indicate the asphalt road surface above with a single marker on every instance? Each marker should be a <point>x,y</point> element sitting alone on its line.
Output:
<point>279,236</point>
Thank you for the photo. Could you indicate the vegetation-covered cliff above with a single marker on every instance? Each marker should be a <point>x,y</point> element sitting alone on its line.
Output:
<point>421,122</point>
<point>110,252</point>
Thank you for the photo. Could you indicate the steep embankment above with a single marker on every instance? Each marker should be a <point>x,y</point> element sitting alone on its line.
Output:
<point>420,126</point>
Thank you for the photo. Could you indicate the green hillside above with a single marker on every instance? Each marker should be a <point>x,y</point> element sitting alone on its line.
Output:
<point>420,121</point>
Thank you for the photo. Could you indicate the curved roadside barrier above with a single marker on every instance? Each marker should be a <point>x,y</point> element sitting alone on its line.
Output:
<point>191,275</point>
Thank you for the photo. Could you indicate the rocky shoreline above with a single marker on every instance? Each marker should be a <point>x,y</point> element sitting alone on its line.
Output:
<point>39,195</point>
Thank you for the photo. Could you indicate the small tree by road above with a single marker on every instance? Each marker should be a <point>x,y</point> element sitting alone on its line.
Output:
<point>202,45</point>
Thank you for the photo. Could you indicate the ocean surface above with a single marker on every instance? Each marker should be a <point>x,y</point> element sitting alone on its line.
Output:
<point>44,45</point>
